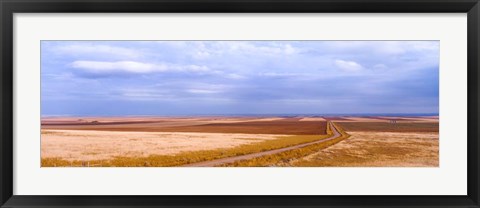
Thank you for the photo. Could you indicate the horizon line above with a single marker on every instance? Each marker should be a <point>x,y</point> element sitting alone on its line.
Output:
<point>243,114</point>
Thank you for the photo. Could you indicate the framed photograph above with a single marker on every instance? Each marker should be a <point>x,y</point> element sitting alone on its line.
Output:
<point>268,103</point>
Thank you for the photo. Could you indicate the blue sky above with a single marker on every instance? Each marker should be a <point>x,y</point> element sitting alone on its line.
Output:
<point>239,77</point>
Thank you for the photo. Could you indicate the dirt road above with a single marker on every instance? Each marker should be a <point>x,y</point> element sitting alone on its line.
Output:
<point>217,162</point>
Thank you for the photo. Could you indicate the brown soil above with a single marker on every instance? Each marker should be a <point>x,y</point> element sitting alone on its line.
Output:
<point>389,127</point>
<point>269,127</point>
<point>291,126</point>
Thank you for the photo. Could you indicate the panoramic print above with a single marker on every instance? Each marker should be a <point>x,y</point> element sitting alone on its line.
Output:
<point>239,103</point>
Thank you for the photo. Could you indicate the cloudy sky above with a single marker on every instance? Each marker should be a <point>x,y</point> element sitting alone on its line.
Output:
<point>239,77</point>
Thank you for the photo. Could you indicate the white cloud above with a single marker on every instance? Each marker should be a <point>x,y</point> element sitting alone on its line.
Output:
<point>275,49</point>
<point>93,49</point>
<point>235,76</point>
<point>206,87</point>
<point>201,54</point>
<point>403,47</point>
<point>202,91</point>
<point>350,66</point>
<point>102,67</point>
<point>144,94</point>
<point>205,50</point>
<point>432,46</point>
<point>382,48</point>
<point>60,76</point>
<point>380,66</point>
<point>275,74</point>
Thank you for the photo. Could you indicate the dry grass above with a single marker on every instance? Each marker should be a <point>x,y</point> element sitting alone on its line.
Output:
<point>378,149</point>
<point>283,158</point>
<point>312,119</point>
<point>150,142</point>
<point>183,158</point>
<point>95,145</point>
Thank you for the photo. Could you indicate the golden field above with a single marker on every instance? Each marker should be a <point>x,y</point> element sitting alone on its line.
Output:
<point>178,141</point>
<point>378,149</point>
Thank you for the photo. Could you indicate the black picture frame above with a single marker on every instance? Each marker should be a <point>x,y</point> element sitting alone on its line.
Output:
<point>9,7</point>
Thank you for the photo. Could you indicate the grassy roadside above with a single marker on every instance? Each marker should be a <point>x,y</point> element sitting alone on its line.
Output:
<point>189,157</point>
<point>287,156</point>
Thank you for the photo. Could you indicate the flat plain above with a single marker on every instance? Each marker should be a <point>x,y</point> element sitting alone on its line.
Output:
<point>410,142</point>
<point>177,141</point>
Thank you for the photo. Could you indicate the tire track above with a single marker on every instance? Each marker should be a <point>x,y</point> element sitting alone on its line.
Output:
<point>226,160</point>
